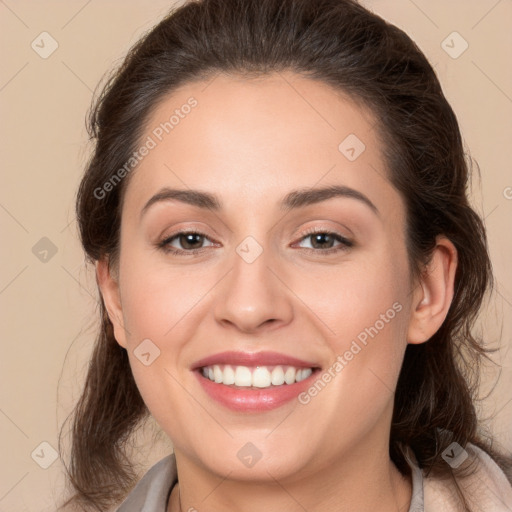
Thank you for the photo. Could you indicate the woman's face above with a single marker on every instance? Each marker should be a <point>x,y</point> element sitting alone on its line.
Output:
<point>262,299</point>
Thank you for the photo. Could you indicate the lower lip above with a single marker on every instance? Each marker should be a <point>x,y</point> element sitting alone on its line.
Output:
<point>253,399</point>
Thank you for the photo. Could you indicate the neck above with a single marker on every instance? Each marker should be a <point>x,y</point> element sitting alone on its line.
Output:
<point>364,480</point>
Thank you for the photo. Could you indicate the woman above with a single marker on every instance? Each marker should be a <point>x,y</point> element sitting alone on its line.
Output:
<point>289,271</point>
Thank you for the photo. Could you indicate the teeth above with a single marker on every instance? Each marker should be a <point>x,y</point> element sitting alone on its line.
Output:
<point>306,373</point>
<point>217,374</point>
<point>261,377</point>
<point>243,376</point>
<point>258,377</point>
<point>277,376</point>
<point>289,375</point>
<point>229,375</point>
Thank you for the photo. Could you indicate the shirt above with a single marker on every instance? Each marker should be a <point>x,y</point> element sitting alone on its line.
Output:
<point>487,490</point>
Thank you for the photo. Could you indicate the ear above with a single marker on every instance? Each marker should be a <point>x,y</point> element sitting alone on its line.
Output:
<point>433,294</point>
<point>109,287</point>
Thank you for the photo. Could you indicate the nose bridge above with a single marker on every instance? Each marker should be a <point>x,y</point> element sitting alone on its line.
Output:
<point>252,295</point>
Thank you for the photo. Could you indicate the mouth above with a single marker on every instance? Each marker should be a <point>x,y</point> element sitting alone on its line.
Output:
<point>254,382</point>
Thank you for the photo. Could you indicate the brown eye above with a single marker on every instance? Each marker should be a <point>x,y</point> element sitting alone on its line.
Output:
<point>187,241</point>
<point>190,240</point>
<point>322,240</point>
<point>326,242</point>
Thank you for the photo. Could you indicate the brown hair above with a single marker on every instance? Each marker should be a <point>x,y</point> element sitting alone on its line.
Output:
<point>342,44</point>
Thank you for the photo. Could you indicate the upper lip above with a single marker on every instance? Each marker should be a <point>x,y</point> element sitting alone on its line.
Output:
<point>264,358</point>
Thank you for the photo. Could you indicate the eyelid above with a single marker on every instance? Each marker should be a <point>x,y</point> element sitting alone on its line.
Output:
<point>165,241</point>
<point>189,228</point>
<point>323,229</point>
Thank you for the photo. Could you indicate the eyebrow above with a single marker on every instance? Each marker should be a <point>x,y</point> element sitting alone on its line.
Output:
<point>295,199</point>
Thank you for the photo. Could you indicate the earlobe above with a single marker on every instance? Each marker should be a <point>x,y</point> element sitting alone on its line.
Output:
<point>109,288</point>
<point>433,295</point>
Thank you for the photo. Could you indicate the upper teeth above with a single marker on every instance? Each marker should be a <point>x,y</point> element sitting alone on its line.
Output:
<point>258,376</point>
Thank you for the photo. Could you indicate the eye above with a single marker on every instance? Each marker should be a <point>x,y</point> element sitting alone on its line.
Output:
<point>190,241</point>
<point>323,241</point>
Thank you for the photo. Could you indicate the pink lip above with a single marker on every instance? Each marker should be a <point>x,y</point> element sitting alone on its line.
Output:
<point>253,399</point>
<point>253,359</point>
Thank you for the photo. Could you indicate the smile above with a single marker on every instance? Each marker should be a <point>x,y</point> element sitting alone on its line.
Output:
<point>254,382</point>
<point>257,377</point>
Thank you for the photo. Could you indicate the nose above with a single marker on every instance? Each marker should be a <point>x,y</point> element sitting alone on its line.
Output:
<point>254,296</point>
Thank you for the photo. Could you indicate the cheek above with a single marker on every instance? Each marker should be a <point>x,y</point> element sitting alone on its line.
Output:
<point>365,310</point>
<point>157,335</point>
<point>156,299</point>
<point>168,401</point>
<point>358,297</point>
<point>161,305</point>
<point>367,318</point>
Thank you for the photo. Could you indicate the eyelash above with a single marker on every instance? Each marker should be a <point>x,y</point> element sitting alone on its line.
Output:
<point>164,245</point>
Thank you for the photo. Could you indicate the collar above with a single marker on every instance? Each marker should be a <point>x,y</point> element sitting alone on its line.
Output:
<point>151,494</point>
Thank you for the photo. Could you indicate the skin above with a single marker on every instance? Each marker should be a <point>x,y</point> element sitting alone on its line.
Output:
<point>251,142</point>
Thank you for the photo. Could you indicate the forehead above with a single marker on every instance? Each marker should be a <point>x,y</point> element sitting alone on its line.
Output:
<point>244,138</point>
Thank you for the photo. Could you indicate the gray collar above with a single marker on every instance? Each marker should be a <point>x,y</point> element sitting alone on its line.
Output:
<point>151,494</point>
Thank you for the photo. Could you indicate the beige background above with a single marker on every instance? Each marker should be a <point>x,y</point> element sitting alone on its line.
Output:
<point>48,307</point>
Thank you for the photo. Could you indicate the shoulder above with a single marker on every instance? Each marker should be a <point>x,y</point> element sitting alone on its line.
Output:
<point>485,488</point>
<point>152,491</point>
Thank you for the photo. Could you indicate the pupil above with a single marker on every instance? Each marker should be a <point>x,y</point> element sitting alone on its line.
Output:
<point>321,238</point>
<point>187,239</point>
